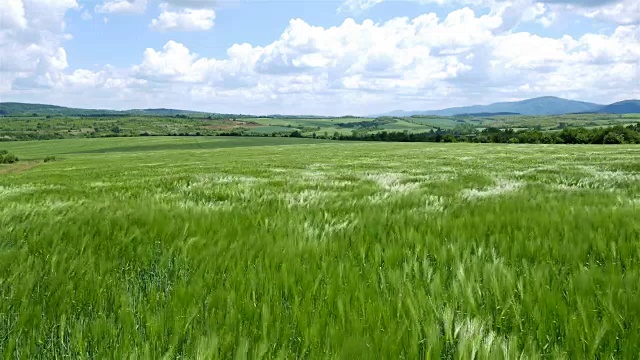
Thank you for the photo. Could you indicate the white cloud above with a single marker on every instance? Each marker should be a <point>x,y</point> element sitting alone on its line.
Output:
<point>355,67</point>
<point>183,20</point>
<point>546,11</point>
<point>457,60</point>
<point>173,63</point>
<point>122,7</point>
<point>12,14</point>
<point>109,80</point>
<point>358,5</point>
<point>621,12</point>
<point>31,36</point>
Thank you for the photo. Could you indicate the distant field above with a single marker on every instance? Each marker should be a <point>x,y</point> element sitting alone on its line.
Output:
<point>55,127</point>
<point>64,148</point>
<point>153,247</point>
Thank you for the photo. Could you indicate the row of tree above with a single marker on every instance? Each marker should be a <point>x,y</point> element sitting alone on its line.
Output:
<point>574,135</point>
<point>610,135</point>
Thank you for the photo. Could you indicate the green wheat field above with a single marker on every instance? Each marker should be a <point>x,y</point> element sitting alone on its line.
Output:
<point>248,248</point>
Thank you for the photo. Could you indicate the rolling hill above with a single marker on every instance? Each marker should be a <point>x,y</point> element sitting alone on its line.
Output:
<point>488,114</point>
<point>547,105</point>
<point>622,107</point>
<point>13,108</point>
<point>26,109</point>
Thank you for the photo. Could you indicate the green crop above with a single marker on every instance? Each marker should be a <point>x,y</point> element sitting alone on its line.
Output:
<point>285,248</point>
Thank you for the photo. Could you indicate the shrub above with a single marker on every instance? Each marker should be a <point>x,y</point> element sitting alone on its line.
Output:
<point>50,159</point>
<point>614,138</point>
<point>6,158</point>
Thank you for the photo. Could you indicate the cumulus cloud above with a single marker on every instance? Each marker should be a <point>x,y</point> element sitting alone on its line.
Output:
<point>581,2</point>
<point>512,12</point>
<point>455,60</point>
<point>354,67</point>
<point>174,62</point>
<point>187,19</point>
<point>621,12</point>
<point>31,37</point>
<point>33,59</point>
<point>616,11</point>
<point>122,7</point>
<point>12,14</point>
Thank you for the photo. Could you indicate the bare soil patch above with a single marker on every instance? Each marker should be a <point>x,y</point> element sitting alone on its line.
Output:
<point>230,125</point>
<point>18,167</point>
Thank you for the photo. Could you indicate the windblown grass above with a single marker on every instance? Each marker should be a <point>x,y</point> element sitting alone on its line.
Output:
<point>156,248</point>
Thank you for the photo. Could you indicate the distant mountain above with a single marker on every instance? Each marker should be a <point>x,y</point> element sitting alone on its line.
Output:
<point>17,109</point>
<point>487,114</point>
<point>41,109</point>
<point>397,113</point>
<point>622,107</point>
<point>547,105</point>
<point>163,112</point>
<point>9,108</point>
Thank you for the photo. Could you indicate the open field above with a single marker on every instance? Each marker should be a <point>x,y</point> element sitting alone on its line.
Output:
<point>154,247</point>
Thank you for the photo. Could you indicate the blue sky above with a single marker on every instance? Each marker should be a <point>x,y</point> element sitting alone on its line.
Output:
<point>316,56</point>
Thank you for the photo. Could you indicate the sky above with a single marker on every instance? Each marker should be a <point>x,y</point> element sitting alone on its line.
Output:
<point>325,57</point>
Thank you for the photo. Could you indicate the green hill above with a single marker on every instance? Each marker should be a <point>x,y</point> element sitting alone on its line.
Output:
<point>17,109</point>
<point>42,109</point>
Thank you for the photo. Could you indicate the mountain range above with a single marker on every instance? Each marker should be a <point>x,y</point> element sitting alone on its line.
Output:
<point>547,105</point>
<point>14,108</point>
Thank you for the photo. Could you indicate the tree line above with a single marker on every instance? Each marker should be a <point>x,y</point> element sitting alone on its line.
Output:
<point>571,135</point>
<point>607,135</point>
<point>610,135</point>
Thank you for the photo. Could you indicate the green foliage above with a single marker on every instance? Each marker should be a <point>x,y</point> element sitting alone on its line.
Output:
<point>7,158</point>
<point>16,128</point>
<point>270,248</point>
<point>371,124</point>
<point>613,135</point>
<point>34,110</point>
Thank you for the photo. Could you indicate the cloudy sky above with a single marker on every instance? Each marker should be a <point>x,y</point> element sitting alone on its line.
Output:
<point>330,57</point>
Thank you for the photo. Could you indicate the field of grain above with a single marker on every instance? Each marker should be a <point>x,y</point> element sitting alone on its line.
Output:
<point>286,248</point>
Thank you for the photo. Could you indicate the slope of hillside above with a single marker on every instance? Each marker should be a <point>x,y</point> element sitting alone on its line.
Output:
<point>622,107</point>
<point>547,105</point>
<point>12,108</point>
<point>43,109</point>
<point>489,114</point>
